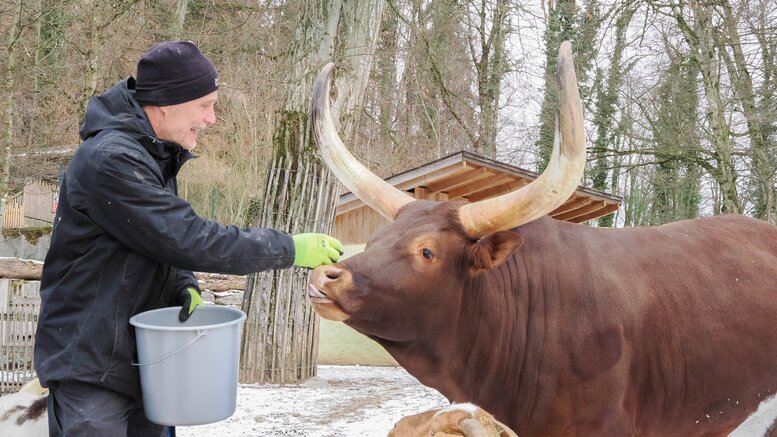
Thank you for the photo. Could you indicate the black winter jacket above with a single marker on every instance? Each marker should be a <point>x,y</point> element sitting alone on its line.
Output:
<point>123,243</point>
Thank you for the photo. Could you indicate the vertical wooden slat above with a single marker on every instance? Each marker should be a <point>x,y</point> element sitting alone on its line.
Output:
<point>19,303</point>
<point>279,341</point>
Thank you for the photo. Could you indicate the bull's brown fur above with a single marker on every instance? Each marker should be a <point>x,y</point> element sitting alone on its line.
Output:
<point>562,329</point>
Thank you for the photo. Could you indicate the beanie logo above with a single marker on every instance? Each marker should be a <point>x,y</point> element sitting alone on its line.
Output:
<point>216,82</point>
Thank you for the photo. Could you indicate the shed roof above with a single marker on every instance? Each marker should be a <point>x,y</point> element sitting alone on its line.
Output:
<point>465,175</point>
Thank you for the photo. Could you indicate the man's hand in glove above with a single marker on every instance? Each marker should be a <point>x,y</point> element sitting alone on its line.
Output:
<point>312,250</point>
<point>189,299</point>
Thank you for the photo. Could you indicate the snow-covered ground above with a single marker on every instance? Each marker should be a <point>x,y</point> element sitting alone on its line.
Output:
<point>351,401</point>
<point>345,401</point>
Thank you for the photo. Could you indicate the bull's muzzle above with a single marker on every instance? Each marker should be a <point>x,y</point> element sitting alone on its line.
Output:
<point>326,289</point>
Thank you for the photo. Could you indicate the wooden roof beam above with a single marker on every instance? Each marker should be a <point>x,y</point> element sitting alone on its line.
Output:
<point>594,206</point>
<point>480,185</point>
<point>409,181</point>
<point>466,177</point>
<point>608,209</point>
<point>497,190</point>
<point>573,203</point>
<point>348,201</point>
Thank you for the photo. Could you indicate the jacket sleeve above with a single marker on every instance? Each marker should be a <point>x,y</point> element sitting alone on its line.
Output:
<point>131,204</point>
<point>185,279</point>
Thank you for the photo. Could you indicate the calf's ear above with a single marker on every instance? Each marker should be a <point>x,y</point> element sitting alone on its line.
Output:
<point>493,250</point>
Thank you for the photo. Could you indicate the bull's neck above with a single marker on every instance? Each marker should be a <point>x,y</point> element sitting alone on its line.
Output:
<point>508,315</point>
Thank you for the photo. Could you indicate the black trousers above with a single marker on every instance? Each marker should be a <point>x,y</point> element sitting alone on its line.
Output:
<point>85,410</point>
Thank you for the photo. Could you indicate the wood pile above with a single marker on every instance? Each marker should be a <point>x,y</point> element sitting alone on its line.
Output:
<point>15,268</point>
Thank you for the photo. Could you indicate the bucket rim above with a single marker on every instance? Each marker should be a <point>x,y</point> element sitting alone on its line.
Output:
<point>134,319</point>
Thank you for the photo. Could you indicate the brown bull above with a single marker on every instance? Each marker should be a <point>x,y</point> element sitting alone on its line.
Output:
<point>559,328</point>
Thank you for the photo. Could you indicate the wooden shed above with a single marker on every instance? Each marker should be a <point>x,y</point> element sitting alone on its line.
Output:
<point>34,206</point>
<point>468,176</point>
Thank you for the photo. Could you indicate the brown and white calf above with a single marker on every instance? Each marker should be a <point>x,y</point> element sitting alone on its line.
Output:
<point>23,414</point>
<point>465,419</point>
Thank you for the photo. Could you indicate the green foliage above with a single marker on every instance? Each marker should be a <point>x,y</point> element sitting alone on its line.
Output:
<point>676,178</point>
<point>607,86</point>
<point>54,22</point>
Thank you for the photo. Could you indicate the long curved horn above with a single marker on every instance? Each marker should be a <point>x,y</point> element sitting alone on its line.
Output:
<point>374,191</point>
<point>559,180</point>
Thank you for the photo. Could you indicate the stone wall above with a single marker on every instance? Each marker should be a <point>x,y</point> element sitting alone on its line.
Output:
<point>20,247</point>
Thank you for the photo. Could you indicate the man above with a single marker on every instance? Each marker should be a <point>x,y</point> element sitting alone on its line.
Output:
<point>124,242</point>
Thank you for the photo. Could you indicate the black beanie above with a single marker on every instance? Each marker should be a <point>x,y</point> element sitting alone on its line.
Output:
<point>174,72</point>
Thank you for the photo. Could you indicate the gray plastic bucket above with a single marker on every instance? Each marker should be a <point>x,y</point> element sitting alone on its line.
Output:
<point>188,371</point>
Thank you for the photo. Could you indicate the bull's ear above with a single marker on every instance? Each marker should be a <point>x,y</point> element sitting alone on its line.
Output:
<point>493,250</point>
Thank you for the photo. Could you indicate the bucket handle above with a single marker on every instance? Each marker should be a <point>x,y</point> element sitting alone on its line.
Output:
<point>200,333</point>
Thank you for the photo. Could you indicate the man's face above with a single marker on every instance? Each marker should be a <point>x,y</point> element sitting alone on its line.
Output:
<point>182,123</point>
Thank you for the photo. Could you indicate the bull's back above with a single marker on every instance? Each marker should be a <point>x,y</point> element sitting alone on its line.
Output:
<point>692,305</point>
<point>704,298</point>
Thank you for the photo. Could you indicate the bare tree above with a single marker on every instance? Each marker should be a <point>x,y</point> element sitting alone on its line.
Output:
<point>489,27</point>
<point>698,29</point>
<point>758,111</point>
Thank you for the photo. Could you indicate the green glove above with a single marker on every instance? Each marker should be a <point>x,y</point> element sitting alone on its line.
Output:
<point>312,250</point>
<point>190,299</point>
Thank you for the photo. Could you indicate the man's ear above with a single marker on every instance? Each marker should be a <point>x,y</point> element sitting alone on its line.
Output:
<point>493,250</point>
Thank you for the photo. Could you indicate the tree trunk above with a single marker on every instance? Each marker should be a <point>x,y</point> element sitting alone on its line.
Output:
<point>490,67</point>
<point>758,118</point>
<point>607,99</point>
<point>676,175</point>
<point>280,340</point>
<point>181,7</point>
<point>89,87</point>
<point>700,37</point>
<point>8,113</point>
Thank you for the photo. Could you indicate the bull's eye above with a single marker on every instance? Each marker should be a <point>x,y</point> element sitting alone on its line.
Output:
<point>426,253</point>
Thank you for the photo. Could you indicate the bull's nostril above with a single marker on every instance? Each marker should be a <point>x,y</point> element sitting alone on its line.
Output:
<point>333,272</point>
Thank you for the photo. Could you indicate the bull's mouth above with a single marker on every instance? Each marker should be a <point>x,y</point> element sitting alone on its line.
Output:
<point>325,306</point>
<point>317,296</point>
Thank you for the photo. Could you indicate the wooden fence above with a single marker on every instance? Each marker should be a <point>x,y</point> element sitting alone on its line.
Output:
<point>14,211</point>
<point>280,335</point>
<point>19,304</point>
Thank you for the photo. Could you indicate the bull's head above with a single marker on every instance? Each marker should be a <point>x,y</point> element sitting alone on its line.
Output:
<point>431,250</point>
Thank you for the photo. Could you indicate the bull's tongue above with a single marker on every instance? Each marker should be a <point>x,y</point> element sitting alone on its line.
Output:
<point>314,292</point>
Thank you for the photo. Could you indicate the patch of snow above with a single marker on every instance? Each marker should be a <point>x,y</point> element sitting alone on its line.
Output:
<point>760,421</point>
<point>341,401</point>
